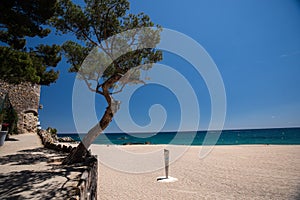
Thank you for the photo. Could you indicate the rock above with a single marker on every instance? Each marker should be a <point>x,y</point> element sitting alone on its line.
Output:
<point>133,143</point>
<point>66,139</point>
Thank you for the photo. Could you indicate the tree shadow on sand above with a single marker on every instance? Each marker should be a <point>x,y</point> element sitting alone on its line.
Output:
<point>53,182</point>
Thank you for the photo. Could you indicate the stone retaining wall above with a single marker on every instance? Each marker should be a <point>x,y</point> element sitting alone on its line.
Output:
<point>86,188</point>
<point>25,100</point>
<point>88,181</point>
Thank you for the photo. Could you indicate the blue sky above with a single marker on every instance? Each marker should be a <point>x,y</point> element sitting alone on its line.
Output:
<point>254,43</point>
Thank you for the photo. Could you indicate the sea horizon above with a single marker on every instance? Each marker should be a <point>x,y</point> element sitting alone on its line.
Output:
<point>169,131</point>
<point>279,136</point>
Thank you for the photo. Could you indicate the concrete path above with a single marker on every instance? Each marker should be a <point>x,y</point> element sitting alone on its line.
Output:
<point>29,171</point>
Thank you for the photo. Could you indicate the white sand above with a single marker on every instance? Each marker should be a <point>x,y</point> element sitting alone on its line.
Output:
<point>228,172</point>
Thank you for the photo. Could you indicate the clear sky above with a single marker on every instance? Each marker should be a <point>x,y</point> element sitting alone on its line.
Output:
<point>254,43</point>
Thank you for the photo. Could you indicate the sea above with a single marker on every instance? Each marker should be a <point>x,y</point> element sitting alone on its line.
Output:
<point>275,136</point>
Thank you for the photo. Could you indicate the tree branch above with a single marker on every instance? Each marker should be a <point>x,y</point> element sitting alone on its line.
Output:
<point>108,84</point>
<point>119,90</point>
<point>97,89</point>
<point>89,39</point>
<point>89,85</point>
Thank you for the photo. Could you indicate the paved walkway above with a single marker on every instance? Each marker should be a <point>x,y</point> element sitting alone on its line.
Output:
<point>29,171</point>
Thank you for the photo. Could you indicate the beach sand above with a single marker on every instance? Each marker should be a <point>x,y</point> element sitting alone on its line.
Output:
<point>228,172</point>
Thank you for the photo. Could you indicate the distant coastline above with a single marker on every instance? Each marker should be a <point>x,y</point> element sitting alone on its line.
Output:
<point>187,131</point>
<point>276,136</point>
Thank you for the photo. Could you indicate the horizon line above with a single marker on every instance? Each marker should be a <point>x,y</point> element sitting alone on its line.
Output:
<point>169,131</point>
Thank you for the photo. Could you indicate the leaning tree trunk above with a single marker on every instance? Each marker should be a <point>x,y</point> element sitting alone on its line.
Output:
<point>81,151</point>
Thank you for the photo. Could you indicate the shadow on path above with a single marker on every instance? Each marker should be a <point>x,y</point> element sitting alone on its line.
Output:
<point>47,181</point>
<point>11,139</point>
<point>29,157</point>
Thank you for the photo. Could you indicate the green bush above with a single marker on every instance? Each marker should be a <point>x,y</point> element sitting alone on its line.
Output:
<point>8,116</point>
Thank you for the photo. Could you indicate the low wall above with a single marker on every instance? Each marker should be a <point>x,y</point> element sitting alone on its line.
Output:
<point>86,188</point>
<point>88,181</point>
<point>50,142</point>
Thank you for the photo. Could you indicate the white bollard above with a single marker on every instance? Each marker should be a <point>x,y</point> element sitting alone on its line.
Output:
<point>166,154</point>
<point>167,178</point>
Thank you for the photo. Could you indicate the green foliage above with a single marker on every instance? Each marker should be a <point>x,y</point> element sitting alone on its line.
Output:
<point>18,66</point>
<point>51,130</point>
<point>112,47</point>
<point>102,30</point>
<point>12,120</point>
<point>8,115</point>
<point>75,54</point>
<point>20,19</point>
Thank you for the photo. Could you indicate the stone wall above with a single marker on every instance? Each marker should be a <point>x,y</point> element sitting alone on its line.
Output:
<point>25,99</point>
<point>88,182</point>
<point>86,188</point>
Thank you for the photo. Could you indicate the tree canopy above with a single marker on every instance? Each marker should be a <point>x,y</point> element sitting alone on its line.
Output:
<point>112,48</point>
<point>98,25</point>
<point>19,20</point>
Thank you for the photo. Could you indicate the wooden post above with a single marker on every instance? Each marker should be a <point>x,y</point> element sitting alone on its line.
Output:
<point>166,154</point>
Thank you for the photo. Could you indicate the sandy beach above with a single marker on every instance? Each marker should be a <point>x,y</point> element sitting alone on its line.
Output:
<point>28,171</point>
<point>228,172</point>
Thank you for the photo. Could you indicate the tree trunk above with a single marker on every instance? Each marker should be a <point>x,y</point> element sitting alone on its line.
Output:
<point>79,154</point>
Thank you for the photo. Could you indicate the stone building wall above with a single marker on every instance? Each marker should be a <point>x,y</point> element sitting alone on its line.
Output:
<point>25,100</point>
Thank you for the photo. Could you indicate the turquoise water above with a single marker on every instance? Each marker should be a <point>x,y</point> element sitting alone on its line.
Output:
<point>287,136</point>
